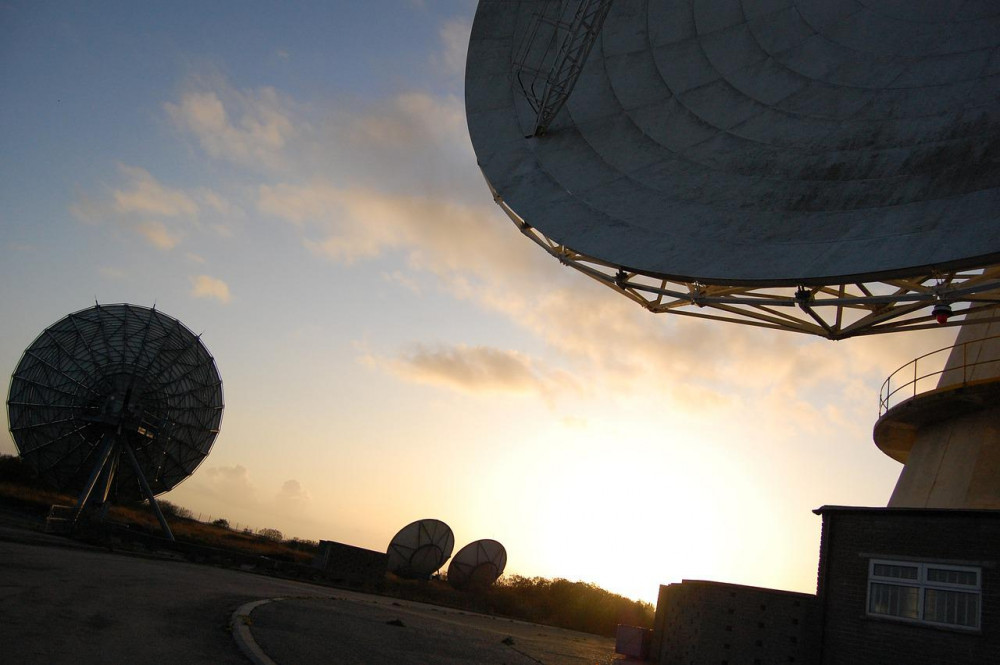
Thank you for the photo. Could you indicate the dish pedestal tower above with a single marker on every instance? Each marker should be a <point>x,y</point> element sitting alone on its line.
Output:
<point>948,437</point>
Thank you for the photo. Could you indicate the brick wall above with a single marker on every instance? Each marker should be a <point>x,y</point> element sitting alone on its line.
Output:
<point>854,536</point>
<point>727,624</point>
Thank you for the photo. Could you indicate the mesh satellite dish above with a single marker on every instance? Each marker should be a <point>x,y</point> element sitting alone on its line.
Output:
<point>829,167</point>
<point>120,398</point>
<point>477,565</point>
<point>420,549</point>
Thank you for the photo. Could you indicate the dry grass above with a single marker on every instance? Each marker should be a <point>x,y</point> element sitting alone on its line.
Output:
<point>38,500</point>
<point>34,497</point>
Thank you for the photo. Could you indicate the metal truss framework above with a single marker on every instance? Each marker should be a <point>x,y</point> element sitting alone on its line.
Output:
<point>547,86</point>
<point>834,311</point>
<point>118,399</point>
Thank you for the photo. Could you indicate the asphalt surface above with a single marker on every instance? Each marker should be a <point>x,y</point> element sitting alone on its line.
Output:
<point>65,603</point>
<point>373,629</point>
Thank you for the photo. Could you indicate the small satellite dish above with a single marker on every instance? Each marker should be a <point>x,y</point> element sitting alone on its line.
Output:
<point>477,565</point>
<point>119,398</point>
<point>420,549</point>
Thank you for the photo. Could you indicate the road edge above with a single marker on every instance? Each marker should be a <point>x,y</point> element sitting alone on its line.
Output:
<point>239,625</point>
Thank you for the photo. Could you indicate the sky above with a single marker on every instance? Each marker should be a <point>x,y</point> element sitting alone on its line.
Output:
<point>295,182</point>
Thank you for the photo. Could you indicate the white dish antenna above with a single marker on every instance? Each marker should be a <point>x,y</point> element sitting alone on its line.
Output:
<point>477,565</point>
<point>120,399</point>
<point>825,167</point>
<point>420,549</point>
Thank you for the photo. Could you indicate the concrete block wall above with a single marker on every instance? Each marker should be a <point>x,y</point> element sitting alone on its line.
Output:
<point>854,536</point>
<point>353,565</point>
<point>712,623</point>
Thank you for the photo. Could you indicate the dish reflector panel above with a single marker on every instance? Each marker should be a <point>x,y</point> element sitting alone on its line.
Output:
<point>477,565</point>
<point>753,143</point>
<point>420,549</point>
<point>121,373</point>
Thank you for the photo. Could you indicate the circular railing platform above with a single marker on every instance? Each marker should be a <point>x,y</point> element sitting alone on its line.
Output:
<point>931,372</point>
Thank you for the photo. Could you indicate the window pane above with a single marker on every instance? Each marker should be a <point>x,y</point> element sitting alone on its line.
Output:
<point>968,577</point>
<point>893,600</point>
<point>954,607</point>
<point>899,572</point>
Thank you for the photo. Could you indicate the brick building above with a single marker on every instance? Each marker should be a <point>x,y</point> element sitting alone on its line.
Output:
<point>896,586</point>
<point>909,586</point>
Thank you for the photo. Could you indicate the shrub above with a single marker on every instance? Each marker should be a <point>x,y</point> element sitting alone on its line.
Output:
<point>270,534</point>
<point>12,470</point>
<point>173,510</point>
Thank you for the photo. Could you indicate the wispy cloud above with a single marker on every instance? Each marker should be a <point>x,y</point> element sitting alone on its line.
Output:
<point>231,482</point>
<point>292,498</point>
<point>454,35</point>
<point>250,127</point>
<point>111,273</point>
<point>158,234</point>
<point>479,369</point>
<point>232,492</point>
<point>408,120</point>
<point>144,195</point>
<point>204,286</point>
<point>161,215</point>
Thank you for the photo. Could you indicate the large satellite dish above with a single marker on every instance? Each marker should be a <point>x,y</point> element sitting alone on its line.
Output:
<point>824,166</point>
<point>119,397</point>
<point>420,549</point>
<point>477,565</point>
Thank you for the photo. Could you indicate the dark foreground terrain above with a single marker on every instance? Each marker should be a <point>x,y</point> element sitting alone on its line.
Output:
<point>65,603</point>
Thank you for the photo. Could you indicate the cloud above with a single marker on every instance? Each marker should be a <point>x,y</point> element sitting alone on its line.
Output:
<point>347,224</point>
<point>158,234</point>
<point>20,247</point>
<point>232,492</point>
<point>404,280</point>
<point>249,128</point>
<point>161,215</point>
<point>218,203</point>
<point>146,196</point>
<point>292,499</point>
<point>479,369</point>
<point>454,35</point>
<point>231,483</point>
<point>111,273</point>
<point>339,224</point>
<point>478,255</point>
<point>409,119</point>
<point>204,286</point>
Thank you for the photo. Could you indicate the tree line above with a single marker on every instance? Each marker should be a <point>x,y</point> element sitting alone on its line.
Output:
<point>574,605</point>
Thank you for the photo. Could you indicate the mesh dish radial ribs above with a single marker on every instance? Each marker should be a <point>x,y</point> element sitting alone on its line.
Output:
<point>823,167</point>
<point>123,367</point>
<point>420,549</point>
<point>478,564</point>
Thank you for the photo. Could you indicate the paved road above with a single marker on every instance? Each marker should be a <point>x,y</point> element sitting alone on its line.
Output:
<point>65,604</point>
<point>373,629</point>
<point>68,605</point>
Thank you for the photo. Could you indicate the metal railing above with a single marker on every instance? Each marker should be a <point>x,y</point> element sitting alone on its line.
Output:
<point>918,376</point>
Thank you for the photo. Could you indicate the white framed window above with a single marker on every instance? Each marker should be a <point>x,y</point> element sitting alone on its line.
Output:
<point>924,592</point>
